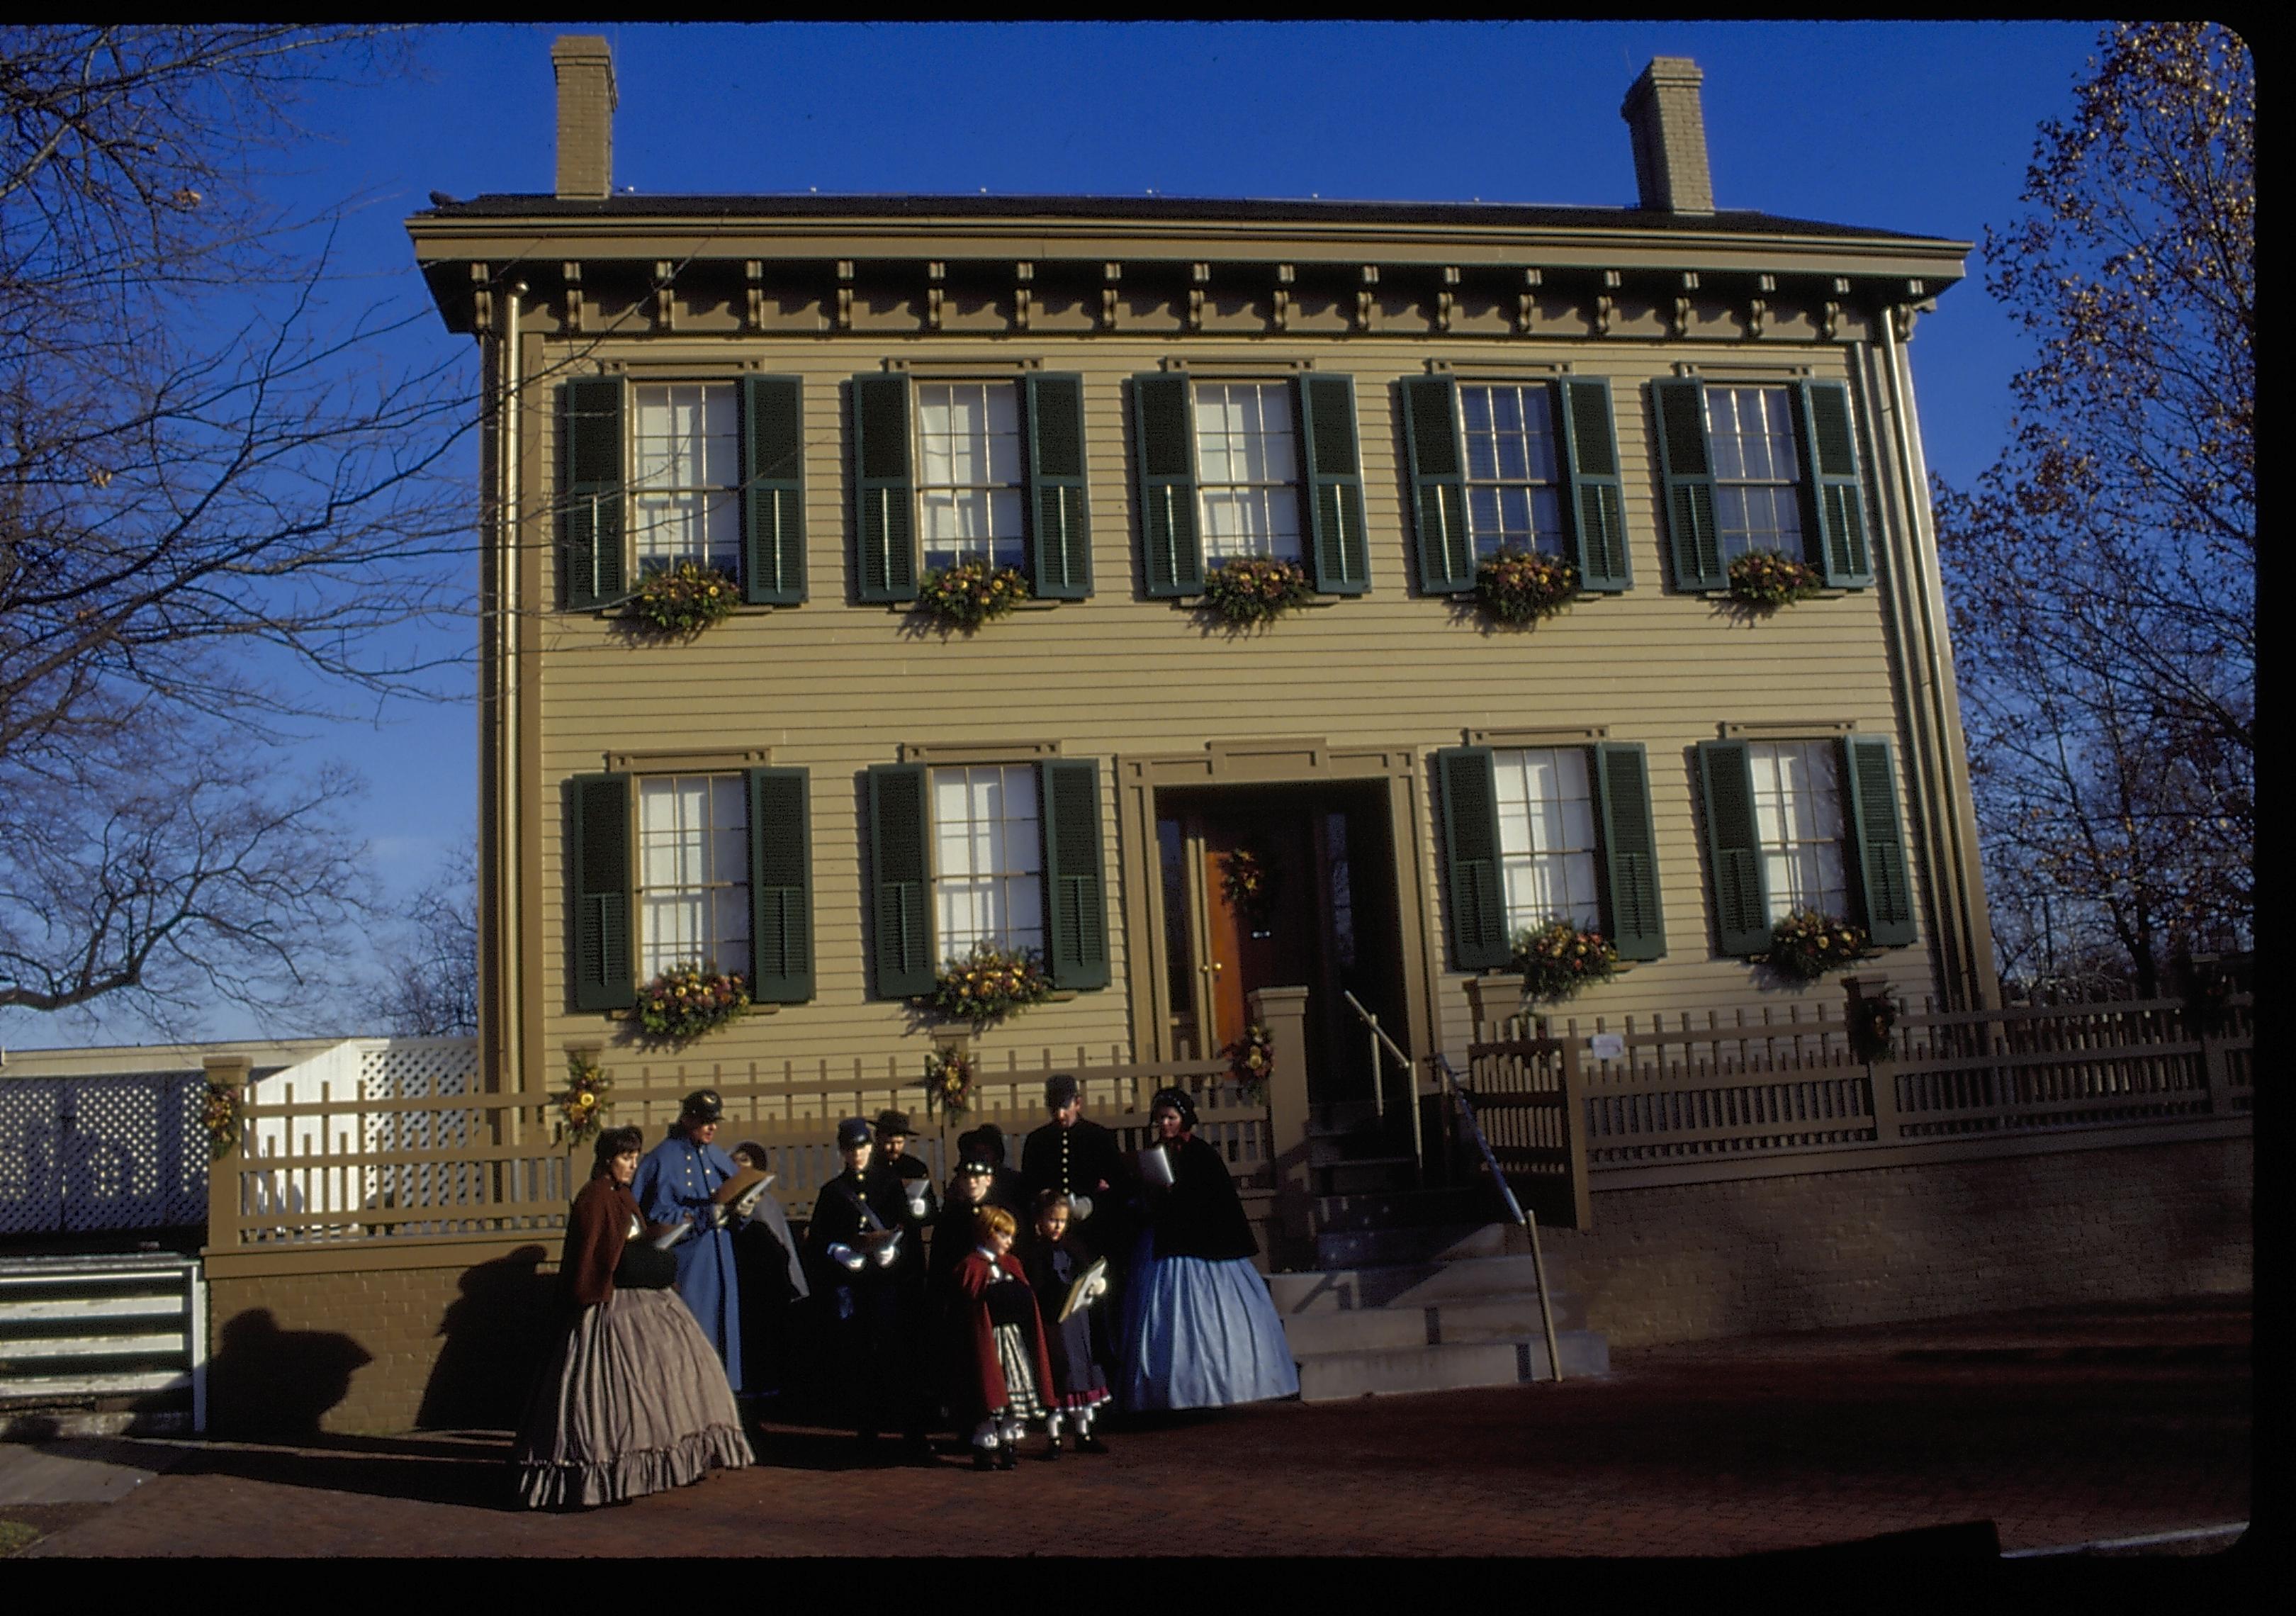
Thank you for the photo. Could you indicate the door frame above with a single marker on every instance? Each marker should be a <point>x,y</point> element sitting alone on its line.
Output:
<point>1306,760</point>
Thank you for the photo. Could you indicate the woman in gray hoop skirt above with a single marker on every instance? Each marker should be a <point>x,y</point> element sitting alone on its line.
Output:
<point>634,1399</point>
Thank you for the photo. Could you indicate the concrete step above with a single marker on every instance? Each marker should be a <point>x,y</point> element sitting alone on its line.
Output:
<point>1409,1284</point>
<point>1426,1242</point>
<point>1472,1323</point>
<point>1324,1377</point>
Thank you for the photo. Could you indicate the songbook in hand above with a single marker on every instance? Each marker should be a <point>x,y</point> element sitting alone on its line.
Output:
<point>1085,1282</point>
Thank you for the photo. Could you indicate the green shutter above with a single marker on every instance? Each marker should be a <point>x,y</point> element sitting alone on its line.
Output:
<point>598,867</point>
<point>884,496</point>
<point>1059,538</point>
<point>1438,484</point>
<point>781,887</point>
<point>1473,894</point>
<point>1885,891</point>
<point>1637,928</point>
<point>1687,469</point>
<point>1163,447</point>
<point>1333,488</point>
<point>1595,495</point>
<point>1833,502</point>
<point>590,492</point>
<point>772,490</point>
<point>1075,908</point>
<point>1741,903</point>
<point>900,876</point>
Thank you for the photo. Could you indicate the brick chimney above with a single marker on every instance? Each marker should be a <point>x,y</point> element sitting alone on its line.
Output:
<point>1670,132</point>
<point>585,115</point>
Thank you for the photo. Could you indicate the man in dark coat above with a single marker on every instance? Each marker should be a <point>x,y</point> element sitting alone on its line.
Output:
<point>861,1237</point>
<point>1084,1163</point>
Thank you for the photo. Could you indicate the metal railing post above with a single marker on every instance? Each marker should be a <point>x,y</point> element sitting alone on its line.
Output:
<point>1528,1219</point>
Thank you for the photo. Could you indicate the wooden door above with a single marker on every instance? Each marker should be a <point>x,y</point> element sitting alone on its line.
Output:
<point>1262,938</point>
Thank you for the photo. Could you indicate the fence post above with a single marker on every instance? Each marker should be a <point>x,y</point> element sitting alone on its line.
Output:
<point>234,1072</point>
<point>1574,1135</point>
<point>1283,1012</point>
<point>2214,1042</point>
<point>1881,1075</point>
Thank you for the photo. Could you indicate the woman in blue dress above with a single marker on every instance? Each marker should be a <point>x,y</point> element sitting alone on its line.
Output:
<point>1199,1329</point>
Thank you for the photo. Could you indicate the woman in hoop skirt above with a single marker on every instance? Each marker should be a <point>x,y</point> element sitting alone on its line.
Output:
<point>1199,1329</point>
<point>635,1399</point>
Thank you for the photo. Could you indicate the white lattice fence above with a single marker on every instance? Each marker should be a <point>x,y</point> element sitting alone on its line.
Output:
<point>304,1156</point>
<point>94,1155</point>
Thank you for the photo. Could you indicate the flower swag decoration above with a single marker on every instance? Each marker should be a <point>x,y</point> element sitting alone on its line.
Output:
<point>686,598</point>
<point>949,1076</point>
<point>988,984</point>
<point>970,593</point>
<point>1805,945</point>
<point>582,1105</point>
<point>1558,959</point>
<point>1767,579</point>
<point>1517,587</point>
<point>219,1115</point>
<point>687,1001</point>
<point>1249,886</point>
<point>1250,1059</point>
<point>1254,589</point>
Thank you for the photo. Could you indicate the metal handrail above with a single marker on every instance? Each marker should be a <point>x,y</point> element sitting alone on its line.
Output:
<point>1528,1220</point>
<point>1379,1083</point>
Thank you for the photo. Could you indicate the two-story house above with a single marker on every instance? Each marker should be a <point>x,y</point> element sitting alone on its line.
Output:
<point>832,398</point>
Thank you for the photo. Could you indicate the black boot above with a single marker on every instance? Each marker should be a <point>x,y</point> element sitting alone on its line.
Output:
<point>1089,1443</point>
<point>984,1458</point>
<point>1053,1447</point>
<point>1008,1455</point>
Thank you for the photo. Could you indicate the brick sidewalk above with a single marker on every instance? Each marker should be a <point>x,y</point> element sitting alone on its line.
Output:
<point>2061,1428</point>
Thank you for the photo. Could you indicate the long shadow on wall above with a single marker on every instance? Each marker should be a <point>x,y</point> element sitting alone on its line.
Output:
<point>269,1384</point>
<point>493,1337</point>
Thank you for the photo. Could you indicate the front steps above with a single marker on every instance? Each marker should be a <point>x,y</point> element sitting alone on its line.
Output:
<point>1430,1304</point>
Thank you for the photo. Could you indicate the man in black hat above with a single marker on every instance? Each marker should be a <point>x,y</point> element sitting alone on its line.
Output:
<point>676,1184</point>
<point>1082,1161</point>
<point>864,1245</point>
<point>893,1135</point>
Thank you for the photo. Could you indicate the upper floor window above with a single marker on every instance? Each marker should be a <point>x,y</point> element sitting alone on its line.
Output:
<point>969,482</point>
<point>1247,469</point>
<point>1757,470</point>
<point>1514,495</point>
<point>1547,838</point>
<point>685,476</point>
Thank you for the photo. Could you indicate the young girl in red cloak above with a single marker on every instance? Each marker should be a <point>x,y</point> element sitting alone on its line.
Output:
<point>1004,1375</point>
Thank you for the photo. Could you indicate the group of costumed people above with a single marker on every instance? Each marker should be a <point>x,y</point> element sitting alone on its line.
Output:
<point>1085,1277</point>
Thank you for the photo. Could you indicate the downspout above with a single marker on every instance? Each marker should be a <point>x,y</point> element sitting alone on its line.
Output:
<point>508,787</point>
<point>1936,657</point>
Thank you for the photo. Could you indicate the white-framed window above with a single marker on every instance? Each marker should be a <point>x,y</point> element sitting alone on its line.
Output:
<point>1757,470</point>
<point>969,486</point>
<point>987,876</point>
<point>1546,837</point>
<point>1248,470</point>
<point>1514,477</point>
<point>686,475</point>
<point>694,872</point>
<point>1797,815</point>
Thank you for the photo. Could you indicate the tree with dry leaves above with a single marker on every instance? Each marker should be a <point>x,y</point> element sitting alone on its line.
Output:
<point>2102,574</point>
<point>222,511</point>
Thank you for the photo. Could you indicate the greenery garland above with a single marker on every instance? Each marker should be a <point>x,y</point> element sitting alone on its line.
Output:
<point>582,1105</point>
<point>686,598</point>
<point>1767,579</point>
<point>1250,1061</point>
<point>988,984</point>
<point>1517,587</point>
<point>219,1115</point>
<point>971,593</point>
<point>687,1001</point>
<point>1254,589</point>
<point>1558,959</point>
<point>1806,944</point>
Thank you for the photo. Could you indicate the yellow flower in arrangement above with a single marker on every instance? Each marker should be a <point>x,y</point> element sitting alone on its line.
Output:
<point>685,598</point>
<point>1805,945</point>
<point>584,1097</point>
<point>989,984</point>
<point>1558,959</point>
<point>1253,590</point>
<point>1250,1060</point>
<point>1767,580</point>
<point>1517,587</point>
<point>687,1001</point>
<point>970,593</point>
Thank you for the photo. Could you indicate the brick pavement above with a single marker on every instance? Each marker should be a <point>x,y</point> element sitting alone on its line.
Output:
<point>2064,1427</point>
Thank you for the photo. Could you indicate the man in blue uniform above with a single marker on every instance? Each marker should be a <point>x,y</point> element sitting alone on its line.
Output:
<point>675,1184</point>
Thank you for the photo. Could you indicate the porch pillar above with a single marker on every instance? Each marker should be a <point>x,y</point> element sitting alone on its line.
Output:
<point>234,1072</point>
<point>1283,1012</point>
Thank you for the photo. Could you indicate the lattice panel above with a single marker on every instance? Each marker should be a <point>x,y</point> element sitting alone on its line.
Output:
<point>30,1117</point>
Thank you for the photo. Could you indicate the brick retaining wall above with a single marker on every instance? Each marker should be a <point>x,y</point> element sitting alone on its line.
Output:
<point>1882,1246</point>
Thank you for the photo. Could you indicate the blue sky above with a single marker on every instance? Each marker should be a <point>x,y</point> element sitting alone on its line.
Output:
<point>1923,128</point>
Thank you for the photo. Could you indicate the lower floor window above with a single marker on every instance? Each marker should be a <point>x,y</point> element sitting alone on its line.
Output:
<point>987,858</point>
<point>694,873</point>
<point>1547,838</point>
<point>1798,814</point>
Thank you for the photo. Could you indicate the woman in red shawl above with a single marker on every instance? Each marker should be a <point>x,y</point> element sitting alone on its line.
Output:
<point>635,1399</point>
<point>1004,1375</point>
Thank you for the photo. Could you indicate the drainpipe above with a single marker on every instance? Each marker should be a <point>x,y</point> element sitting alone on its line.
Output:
<point>509,792</point>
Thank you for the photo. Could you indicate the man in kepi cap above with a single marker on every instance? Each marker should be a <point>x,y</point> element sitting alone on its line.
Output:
<point>1082,1161</point>
<point>676,1184</point>
<point>863,1245</point>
